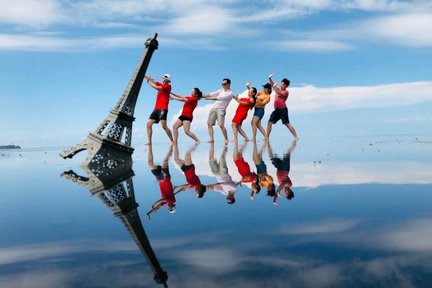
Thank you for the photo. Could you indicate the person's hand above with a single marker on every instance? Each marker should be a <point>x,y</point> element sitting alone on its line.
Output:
<point>270,76</point>
<point>248,83</point>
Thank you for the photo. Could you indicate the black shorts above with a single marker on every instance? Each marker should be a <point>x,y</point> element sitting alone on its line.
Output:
<point>159,114</point>
<point>160,172</point>
<point>186,167</point>
<point>279,114</point>
<point>185,118</point>
<point>282,164</point>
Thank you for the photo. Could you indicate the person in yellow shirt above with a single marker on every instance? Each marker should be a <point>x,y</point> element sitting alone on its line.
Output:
<point>262,99</point>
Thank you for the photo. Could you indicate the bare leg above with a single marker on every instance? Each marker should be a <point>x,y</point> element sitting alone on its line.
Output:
<point>167,130</point>
<point>176,126</point>
<point>211,133</point>
<point>150,123</point>
<point>224,132</point>
<point>269,128</point>
<point>177,159</point>
<point>242,133</point>
<point>186,127</point>
<point>261,129</point>
<point>254,123</point>
<point>292,130</point>
<point>235,132</point>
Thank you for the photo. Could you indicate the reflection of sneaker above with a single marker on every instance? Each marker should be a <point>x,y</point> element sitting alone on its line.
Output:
<point>172,210</point>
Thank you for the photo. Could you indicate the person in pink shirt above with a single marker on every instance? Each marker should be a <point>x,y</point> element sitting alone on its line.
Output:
<point>280,109</point>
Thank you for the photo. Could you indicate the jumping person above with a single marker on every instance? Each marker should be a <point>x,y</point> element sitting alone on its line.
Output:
<point>241,113</point>
<point>222,96</point>
<point>262,99</point>
<point>186,117</point>
<point>280,109</point>
<point>160,111</point>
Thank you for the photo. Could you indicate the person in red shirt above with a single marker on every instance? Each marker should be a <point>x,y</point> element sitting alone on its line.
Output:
<point>243,169</point>
<point>186,116</point>
<point>245,104</point>
<point>160,111</point>
<point>188,169</point>
<point>280,108</point>
<point>282,172</point>
<point>163,177</point>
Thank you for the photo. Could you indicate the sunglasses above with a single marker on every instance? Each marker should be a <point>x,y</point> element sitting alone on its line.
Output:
<point>223,84</point>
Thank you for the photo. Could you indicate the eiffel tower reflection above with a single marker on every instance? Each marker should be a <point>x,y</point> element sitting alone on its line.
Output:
<point>114,187</point>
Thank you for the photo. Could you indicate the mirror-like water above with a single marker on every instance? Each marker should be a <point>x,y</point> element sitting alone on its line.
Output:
<point>334,212</point>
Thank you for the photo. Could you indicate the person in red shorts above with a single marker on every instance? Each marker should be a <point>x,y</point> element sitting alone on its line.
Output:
<point>160,111</point>
<point>244,169</point>
<point>245,104</point>
<point>186,117</point>
<point>188,169</point>
<point>163,178</point>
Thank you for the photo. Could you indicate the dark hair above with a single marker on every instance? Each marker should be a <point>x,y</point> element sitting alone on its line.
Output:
<point>271,189</point>
<point>286,81</point>
<point>289,194</point>
<point>201,190</point>
<point>228,80</point>
<point>254,97</point>
<point>198,92</point>
<point>268,86</point>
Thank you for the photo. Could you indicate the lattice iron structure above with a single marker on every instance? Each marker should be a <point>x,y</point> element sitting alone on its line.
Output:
<point>115,189</point>
<point>111,143</point>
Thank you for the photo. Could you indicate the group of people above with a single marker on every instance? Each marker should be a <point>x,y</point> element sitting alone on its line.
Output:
<point>255,99</point>
<point>224,184</point>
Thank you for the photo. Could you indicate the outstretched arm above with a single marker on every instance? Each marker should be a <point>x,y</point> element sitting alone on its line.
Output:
<point>152,83</point>
<point>240,101</point>
<point>178,97</point>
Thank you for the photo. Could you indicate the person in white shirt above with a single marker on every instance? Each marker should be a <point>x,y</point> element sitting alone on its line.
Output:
<point>222,97</point>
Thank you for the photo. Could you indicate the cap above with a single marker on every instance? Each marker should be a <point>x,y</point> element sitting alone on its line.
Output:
<point>172,209</point>
<point>267,85</point>
<point>167,76</point>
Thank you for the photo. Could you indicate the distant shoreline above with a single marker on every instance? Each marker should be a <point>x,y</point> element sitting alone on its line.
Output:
<point>10,147</point>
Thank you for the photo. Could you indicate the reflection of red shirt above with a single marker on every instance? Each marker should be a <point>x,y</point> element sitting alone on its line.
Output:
<point>191,177</point>
<point>244,170</point>
<point>242,111</point>
<point>162,97</point>
<point>167,190</point>
<point>282,176</point>
<point>189,106</point>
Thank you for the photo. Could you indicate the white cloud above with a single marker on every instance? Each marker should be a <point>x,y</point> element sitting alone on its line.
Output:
<point>323,227</point>
<point>310,45</point>
<point>30,12</point>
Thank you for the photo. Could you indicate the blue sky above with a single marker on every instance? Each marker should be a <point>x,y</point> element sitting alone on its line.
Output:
<point>353,64</point>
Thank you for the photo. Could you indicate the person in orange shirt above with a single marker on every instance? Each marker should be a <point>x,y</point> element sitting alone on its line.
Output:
<point>262,99</point>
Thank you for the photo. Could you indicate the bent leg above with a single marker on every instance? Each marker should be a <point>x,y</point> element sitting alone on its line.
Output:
<point>186,128</point>
<point>176,126</point>
<point>167,130</point>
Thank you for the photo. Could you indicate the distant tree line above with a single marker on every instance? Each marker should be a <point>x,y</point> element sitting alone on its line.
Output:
<point>10,147</point>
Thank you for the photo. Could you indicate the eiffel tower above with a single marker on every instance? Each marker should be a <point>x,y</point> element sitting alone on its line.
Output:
<point>114,187</point>
<point>110,144</point>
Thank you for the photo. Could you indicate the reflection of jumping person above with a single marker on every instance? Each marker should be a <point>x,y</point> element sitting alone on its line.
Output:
<point>188,169</point>
<point>244,169</point>
<point>282,172</point>
<point>186,117</point>
<point>241,113</point>
<point>163,178</point>
<point>265,180</point>
<point>226,185</point>
<point>223,97</point>
<point>160,111</point>
<point>280,109</point>
<point>261,100</point>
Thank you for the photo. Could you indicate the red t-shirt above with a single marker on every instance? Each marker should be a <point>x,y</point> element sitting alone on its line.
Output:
<point>191,177</point>
<point>189,106</point>
<point>244,170</point>
<point>162,98</point>
<point>280,101</point>
<point>282,176</point>
<point>167,190</point>
<point>242,111</point>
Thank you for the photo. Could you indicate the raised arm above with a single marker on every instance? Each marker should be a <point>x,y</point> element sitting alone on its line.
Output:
<point>274,85</point>
<point>178,97</point>
<point>240,101</point>
<point>152,83</point>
